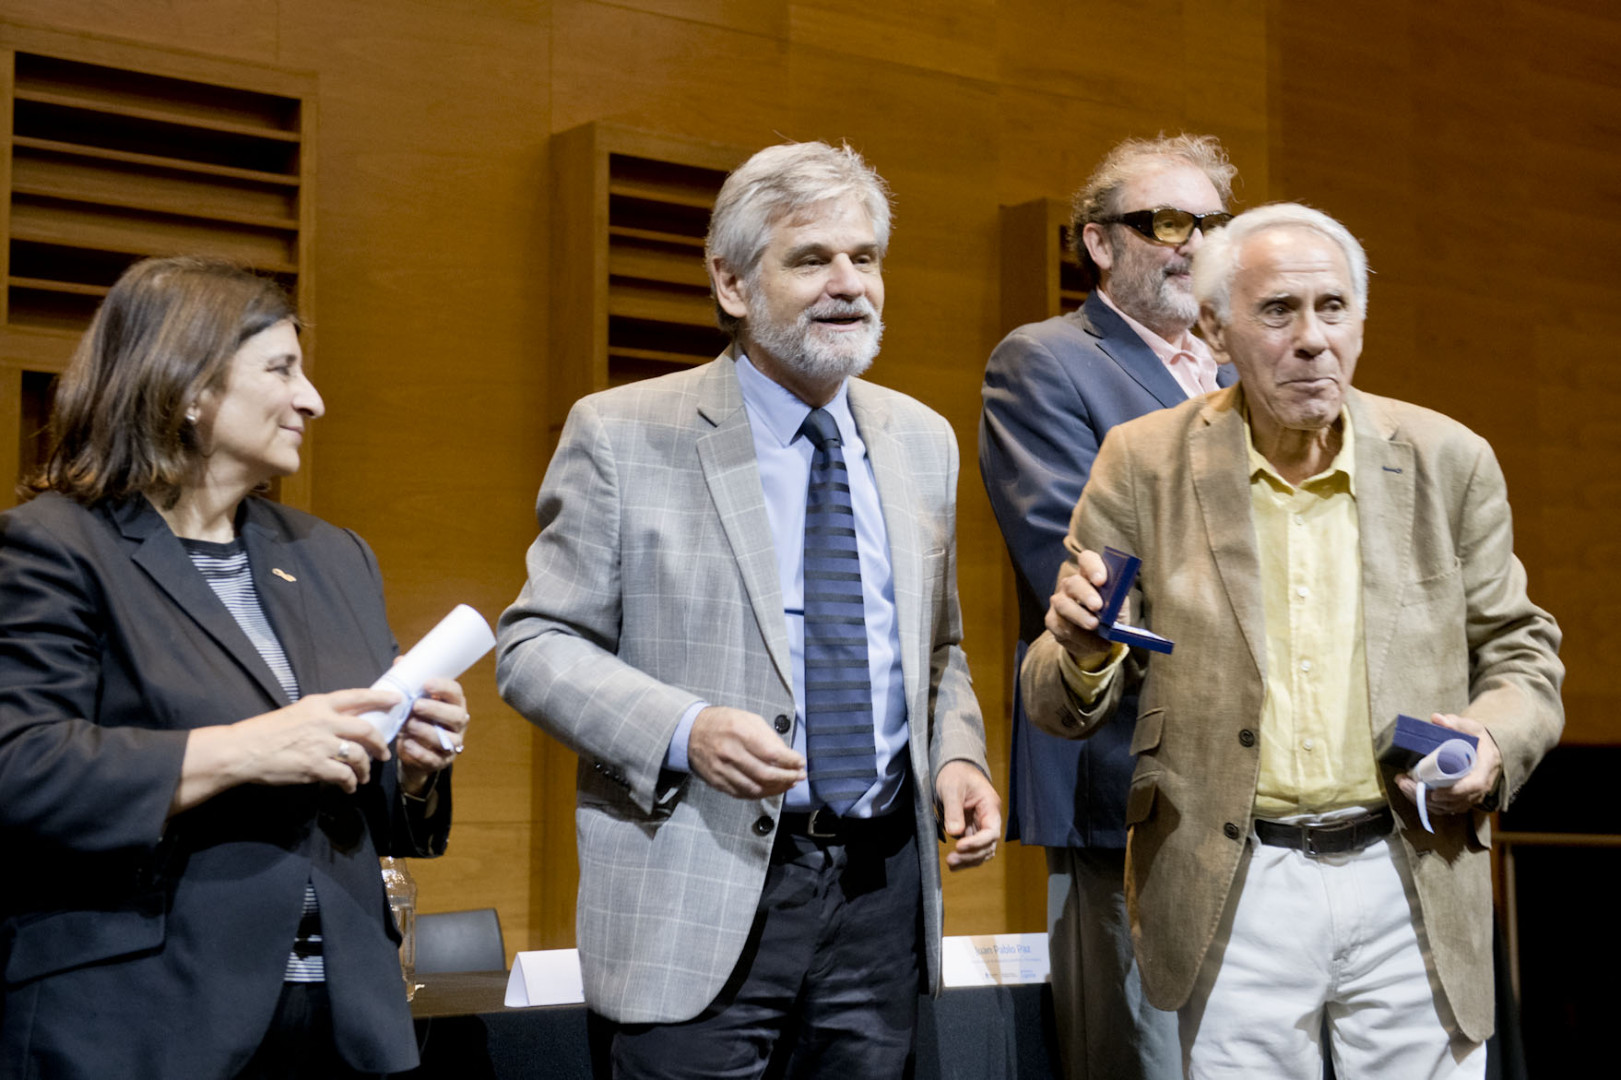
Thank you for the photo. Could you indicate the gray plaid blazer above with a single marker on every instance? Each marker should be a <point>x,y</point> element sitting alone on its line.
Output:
<point>653,585</point>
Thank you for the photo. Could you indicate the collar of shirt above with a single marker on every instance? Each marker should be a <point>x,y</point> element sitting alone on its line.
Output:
<point>1188,359</point>
<point>782,414</point>
<point>1343,465</point>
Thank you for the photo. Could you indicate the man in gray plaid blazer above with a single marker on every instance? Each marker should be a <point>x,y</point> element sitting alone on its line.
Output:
<point>730,915</point>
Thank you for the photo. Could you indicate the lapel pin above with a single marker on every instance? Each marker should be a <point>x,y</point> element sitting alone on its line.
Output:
<point>284,575</point>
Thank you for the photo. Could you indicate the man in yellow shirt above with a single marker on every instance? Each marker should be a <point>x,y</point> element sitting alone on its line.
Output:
<point>1324,560</point>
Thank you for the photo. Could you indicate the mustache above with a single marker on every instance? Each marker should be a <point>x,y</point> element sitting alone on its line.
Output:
<point>1180,266</point>
<point>842,309</point>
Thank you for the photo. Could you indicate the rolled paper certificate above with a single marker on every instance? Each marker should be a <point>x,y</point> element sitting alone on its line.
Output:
<point>1441,768</point>
<point>449,649</point>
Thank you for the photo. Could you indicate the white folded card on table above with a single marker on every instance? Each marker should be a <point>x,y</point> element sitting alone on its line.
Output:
<point>546,977</point>
<point>994,960</point>
<point>449,649</point>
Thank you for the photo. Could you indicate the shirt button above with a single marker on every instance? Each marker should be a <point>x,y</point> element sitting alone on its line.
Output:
<point>1307,744</point>
<point>1300,519</point>
<point>763,826</point>
<point>1305,665</point>
<point>1230,831</point>
<point>783,724</point>
<point>1302,592</point>
<point>1246,737</point>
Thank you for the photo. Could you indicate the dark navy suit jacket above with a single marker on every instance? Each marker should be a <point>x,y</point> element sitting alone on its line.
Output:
<point>132,945</point>
<point>1052,390</point>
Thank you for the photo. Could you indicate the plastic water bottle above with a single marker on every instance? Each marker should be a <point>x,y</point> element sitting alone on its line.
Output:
<point>402,900</point>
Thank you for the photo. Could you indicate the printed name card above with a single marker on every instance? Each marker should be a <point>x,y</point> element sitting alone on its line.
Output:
<point>994,960</point>
<point>545,977</point>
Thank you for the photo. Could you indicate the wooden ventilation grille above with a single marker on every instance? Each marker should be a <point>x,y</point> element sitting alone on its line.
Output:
<point>1072,280</point>
<point>660,315</point>
<point>109,166</point>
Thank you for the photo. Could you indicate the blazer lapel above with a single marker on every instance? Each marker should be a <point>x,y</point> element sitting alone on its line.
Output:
<point>890,473</point>
<point>1221,484</point>
<point>1385,494</point>
<point>1122,345</point>
<point>733,477</point>
<point>161,556</point>
<point>281,584</point>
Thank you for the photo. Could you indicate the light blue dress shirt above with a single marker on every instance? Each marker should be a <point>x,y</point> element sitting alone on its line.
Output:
<point>784,461</point>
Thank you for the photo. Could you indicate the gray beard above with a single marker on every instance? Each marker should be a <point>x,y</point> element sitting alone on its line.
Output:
<point>1146,294</point>
<point>797,347</point>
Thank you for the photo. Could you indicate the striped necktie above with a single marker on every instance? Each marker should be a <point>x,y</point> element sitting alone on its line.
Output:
<point>838,692</point>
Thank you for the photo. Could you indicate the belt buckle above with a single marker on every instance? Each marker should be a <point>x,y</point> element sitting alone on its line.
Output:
<point>1310,834</point>
<point>814,831</point>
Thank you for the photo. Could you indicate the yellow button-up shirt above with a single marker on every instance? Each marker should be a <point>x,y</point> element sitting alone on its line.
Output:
<point>1316,736</point>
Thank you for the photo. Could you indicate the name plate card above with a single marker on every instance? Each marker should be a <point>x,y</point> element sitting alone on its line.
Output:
<point>995,960</point>
<point>545,977</point>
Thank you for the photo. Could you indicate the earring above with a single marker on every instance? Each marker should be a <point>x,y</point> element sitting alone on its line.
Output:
<point>191,414</point>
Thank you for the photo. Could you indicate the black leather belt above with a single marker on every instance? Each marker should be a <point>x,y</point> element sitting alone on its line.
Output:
<point>823,824</point>
<point>1332,838</point>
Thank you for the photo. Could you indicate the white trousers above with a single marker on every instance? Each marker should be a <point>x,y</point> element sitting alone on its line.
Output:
<point>1331,943</point>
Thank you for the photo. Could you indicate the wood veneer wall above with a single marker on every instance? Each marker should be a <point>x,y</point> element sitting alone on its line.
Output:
<point>432,263</point>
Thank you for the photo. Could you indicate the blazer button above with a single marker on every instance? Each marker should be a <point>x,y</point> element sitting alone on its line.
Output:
<point>1246,737</point>
<point>783,724</point>
<point>1230,830</point>
<point>763,826</point>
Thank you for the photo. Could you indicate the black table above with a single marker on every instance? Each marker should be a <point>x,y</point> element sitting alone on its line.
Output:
<point>466,1033</point>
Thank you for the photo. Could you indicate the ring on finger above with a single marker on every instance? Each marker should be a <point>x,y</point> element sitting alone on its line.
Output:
<point>343,750</point>
<point>459,747</point>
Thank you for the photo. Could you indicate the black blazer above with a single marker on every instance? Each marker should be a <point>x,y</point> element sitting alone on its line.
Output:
<point>133,947</point>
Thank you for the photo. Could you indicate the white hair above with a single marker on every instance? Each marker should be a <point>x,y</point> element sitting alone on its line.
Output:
<point>780,181</point>
<point>1216,261</point>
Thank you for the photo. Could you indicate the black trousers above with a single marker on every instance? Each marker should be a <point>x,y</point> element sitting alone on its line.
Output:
<point>300,1042</point>
<point>827,984</point>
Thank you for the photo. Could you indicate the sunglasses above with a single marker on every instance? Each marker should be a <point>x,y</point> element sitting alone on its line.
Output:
<point>1168,225</point>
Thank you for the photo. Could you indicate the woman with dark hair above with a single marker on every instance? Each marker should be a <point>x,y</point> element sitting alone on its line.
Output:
<point>192,802</point>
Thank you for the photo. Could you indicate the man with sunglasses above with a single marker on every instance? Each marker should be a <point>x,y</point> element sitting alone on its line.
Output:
<point>1052,391</point>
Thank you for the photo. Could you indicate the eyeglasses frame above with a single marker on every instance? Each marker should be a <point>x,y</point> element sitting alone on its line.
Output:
<point>1142,222</point>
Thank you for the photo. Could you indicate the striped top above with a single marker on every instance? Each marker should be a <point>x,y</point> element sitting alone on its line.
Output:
<point>225,568</point>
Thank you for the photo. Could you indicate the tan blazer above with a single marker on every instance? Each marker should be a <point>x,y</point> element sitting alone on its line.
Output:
<point>1448,628</point>
<point>653,585</point>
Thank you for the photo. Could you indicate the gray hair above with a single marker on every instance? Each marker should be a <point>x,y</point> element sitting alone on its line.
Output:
<point>1216,261</point>
<point>1099,197</point>
<point>780,181</point>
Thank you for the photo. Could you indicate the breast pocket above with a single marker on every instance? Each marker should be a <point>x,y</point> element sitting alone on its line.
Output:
<point>1433,633</point>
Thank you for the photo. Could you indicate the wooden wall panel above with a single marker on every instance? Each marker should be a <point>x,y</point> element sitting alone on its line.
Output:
<point>950,37</point>
<point>1471,146</point>
<point>668,74</point>
<point>233,29</point>
<point>434,124</point>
